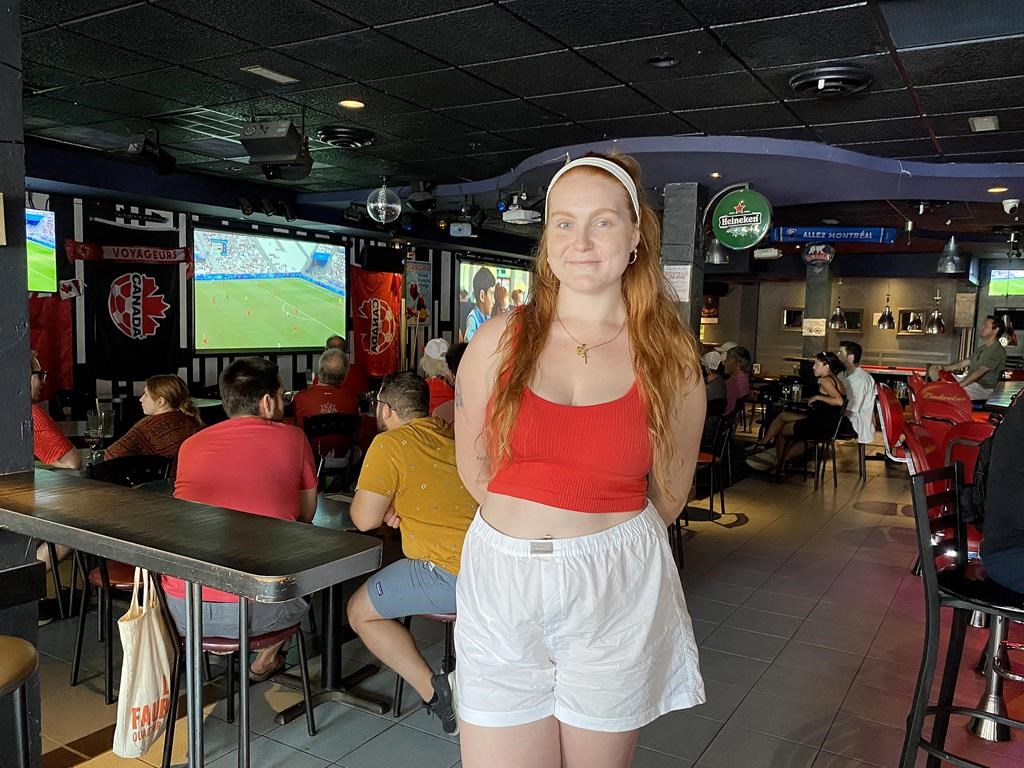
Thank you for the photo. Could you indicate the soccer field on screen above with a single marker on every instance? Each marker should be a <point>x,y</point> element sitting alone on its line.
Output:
<point>265,314</point>
<point>42,267</point>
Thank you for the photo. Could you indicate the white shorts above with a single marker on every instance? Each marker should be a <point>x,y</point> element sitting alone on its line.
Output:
<point>593,630</point>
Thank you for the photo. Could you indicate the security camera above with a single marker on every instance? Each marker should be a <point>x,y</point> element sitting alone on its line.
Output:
<point>1011,206</point>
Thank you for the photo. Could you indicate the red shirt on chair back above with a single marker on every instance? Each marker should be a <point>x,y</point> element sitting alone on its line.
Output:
<point>248,464</point>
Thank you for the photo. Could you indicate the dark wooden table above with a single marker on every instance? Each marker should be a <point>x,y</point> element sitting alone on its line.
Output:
<point>259,558</point>
<point>1003,395</point>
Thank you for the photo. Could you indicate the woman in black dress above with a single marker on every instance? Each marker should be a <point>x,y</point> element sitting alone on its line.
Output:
<point>789,430</point>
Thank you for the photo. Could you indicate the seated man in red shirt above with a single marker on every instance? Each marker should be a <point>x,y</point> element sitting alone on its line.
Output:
<point>253,463</point>
<point>325,396</point>
<point>357,381</point>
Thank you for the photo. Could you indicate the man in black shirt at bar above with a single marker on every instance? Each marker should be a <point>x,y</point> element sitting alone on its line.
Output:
<point>1002,549</point>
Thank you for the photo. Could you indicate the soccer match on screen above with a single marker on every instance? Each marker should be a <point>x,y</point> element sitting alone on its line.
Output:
<point>42,254</point>
<point>266,293</point>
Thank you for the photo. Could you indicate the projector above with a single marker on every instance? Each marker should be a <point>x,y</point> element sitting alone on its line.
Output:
<point>517,215</point>
<point>767,254</point>
<point>147,149</point>
<point>278,148</point>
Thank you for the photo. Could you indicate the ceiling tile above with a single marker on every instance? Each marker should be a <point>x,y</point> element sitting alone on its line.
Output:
<point>474,143</point>
<point>598,104</point>
<point>726,11</point>
<point>395,10</point>
<point>87,136</point>
<point>551,136</point>
<point>982,96</point>
<point>904,148</point>
<point>355,161</point>
<point>444,88</point>
<point>266,22</point>
<point>472,35</point>
<point>889,129</point>
<point>191,88</point>
<point>884,74</point>
<point>39,76</point>
<point>401,151</point>
<point>996,141</point>
<point>501,115</point>
<point>423,125</point>
<point>362,55</point>
<point>938,21</point>
<point>531,75</point>
<point>57,11</point>
<point>665,124</point>
<point>863,106</point>
<point>230,68</point>
<point>150,30</point>
<point>27,25</point>
<point>731,119</point>
<point>378,105</point>
<point>791,133</point>
<point>117,98</point>
<point>129,126</point>
<point>64,112</point>
<point>848,31</point>
<point>67,50</point>
<point>1008,156</point>
<point>613,21</point>
<point>708,91</point>
<point>959,62</point>
<point>697,53</point>
<point>955,124</point>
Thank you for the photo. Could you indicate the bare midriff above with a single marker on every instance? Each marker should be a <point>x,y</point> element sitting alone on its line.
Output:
<point>524,519</point>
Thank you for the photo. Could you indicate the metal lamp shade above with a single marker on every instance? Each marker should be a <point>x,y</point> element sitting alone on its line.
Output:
<point>838,319</point>
<point>716,253</point>
<point>950,262</point>
<point>887,322</point>
<point>935,325</point>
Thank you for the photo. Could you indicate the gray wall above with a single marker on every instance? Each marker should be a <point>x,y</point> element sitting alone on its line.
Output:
<point>737,318</point>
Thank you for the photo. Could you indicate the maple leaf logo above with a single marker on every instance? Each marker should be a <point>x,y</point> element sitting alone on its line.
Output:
<point>136,305</point>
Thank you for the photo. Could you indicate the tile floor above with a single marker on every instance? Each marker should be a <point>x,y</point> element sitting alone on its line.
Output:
<point>809,624</point>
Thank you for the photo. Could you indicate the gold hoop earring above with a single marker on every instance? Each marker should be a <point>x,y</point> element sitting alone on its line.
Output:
<point>632,257</point>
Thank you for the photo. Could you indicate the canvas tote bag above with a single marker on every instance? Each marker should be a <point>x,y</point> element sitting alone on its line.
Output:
<point>143,702</point>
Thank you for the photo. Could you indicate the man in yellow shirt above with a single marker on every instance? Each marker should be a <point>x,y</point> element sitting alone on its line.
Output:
<point>409,480</point>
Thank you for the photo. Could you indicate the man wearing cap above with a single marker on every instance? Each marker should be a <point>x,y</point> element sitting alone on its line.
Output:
<point>714,382</point>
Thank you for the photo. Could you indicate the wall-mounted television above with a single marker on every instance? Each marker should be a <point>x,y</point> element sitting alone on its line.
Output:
<point>40,243</point>
<point>486,289</point>
<point>260,293</point>
<point>1006,282</point>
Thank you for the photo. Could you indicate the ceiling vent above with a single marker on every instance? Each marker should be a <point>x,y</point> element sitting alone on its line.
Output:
<point>830,82</point>
<point>345,136</point>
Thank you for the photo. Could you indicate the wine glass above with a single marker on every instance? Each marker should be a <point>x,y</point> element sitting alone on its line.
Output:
<point>94,436</point>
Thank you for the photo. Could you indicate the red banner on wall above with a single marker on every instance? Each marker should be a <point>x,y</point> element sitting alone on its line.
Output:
<point>49,321</point>
<point>376,308</point>
<point>138,253</point>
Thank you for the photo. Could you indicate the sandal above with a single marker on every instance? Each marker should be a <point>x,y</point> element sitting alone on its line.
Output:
<point>274,670</point>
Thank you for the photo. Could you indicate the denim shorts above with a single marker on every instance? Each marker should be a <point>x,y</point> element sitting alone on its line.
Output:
<point>411,588</point>
<point>221,619</point>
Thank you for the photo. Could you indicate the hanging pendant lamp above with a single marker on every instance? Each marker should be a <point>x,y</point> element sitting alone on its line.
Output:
<point>950,262</point>
<point>887,322</point>
<point>716,254</point>
<point>935,325</point>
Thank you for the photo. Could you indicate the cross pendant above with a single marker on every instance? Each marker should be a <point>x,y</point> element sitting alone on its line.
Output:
<point>581,350</point>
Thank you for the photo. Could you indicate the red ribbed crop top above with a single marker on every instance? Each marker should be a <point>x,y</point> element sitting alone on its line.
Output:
<point>587,458</point>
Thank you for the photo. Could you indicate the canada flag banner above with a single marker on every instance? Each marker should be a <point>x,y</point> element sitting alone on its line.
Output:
<point>76,250</point>
<point>69,289</point>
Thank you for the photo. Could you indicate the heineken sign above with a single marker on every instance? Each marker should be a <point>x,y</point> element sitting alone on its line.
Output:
<point>741,219</point>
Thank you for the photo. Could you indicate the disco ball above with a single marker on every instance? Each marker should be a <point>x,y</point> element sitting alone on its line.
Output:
<point>383,205</point>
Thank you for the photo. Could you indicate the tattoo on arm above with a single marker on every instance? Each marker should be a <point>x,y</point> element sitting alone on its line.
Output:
<point>458,396</point>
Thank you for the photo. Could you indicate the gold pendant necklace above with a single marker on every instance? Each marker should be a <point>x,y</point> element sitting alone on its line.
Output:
<point>583,350</point>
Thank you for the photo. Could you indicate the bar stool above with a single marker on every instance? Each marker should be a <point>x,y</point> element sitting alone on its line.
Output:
<point>19,660</point>
<point>104,578</point>
<point>962,587</point>
<point>447,662</point>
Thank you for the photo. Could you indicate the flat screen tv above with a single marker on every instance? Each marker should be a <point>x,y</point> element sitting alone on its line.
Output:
<point>486,289</point>
<point>258,293</point>
<point>42,251</point>
<point>1006,282</point>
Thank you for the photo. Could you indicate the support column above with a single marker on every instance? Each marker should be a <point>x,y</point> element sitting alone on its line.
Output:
<point>682,242</point>
<point>15,418</point>
<point>817,304</point>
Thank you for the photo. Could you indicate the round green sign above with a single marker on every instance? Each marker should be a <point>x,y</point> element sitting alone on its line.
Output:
<point>741,219</point>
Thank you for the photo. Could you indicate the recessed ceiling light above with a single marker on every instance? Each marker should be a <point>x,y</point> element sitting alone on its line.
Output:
<point>830,222</point>
<point>998,190</point>
<point>983,124</point>
<point>351,104</point>
<point>715,175</point>
<point>270,74</point>
<point>662,61</point>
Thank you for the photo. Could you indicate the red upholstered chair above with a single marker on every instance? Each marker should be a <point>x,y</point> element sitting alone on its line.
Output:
<point>915,382</point>
<point>952,395</point>
<point>890,419</point>
<point>938,416</point>
<point>962,444</point>
<point>947,376</point>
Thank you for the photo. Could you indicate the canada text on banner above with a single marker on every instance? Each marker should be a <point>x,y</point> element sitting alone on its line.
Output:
<point>145,254</point>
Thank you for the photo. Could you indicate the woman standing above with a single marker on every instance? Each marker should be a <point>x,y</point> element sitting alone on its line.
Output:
<point>170,420</point>
<point>573,631</point>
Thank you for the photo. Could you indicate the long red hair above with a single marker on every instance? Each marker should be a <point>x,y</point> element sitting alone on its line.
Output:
<point>666,357</point>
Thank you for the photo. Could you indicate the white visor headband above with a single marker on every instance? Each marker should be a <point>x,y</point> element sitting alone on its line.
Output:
<point>614,169</point>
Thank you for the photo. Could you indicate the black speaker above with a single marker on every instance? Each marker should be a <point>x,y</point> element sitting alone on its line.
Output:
<point>379,258</point>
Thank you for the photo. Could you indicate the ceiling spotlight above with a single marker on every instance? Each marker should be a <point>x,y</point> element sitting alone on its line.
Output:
<point>997,190</point>
<point>351,104</point>
<point>245,206</point>
<point>407,222</point>
<point>716,254</point>
<point>421,198</point>
<point>267,207</point>
<point>468,208</point>
<point>478,219</point>
<point>950,262</point>
<point>502,204</point>
<point>715,175</point>
<point>830,222</point>
<point>442,224</point>
<point>983,124</point>
<point>285,210</point>
<point>663,61</point>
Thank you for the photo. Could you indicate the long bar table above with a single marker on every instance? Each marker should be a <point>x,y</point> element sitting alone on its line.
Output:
<point>260,558</point>
<point>1003,395</point>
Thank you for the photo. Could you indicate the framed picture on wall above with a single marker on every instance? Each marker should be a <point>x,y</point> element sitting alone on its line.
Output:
<point>793,319</point>
<point>854,321</point>
<point>910,322</point>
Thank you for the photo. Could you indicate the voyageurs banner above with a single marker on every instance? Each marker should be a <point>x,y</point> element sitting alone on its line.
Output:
<point>376,311</point>
<point>135,309</point>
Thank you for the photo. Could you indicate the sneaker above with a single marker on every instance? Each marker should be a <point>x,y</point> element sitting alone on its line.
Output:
<point>445,705</point>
